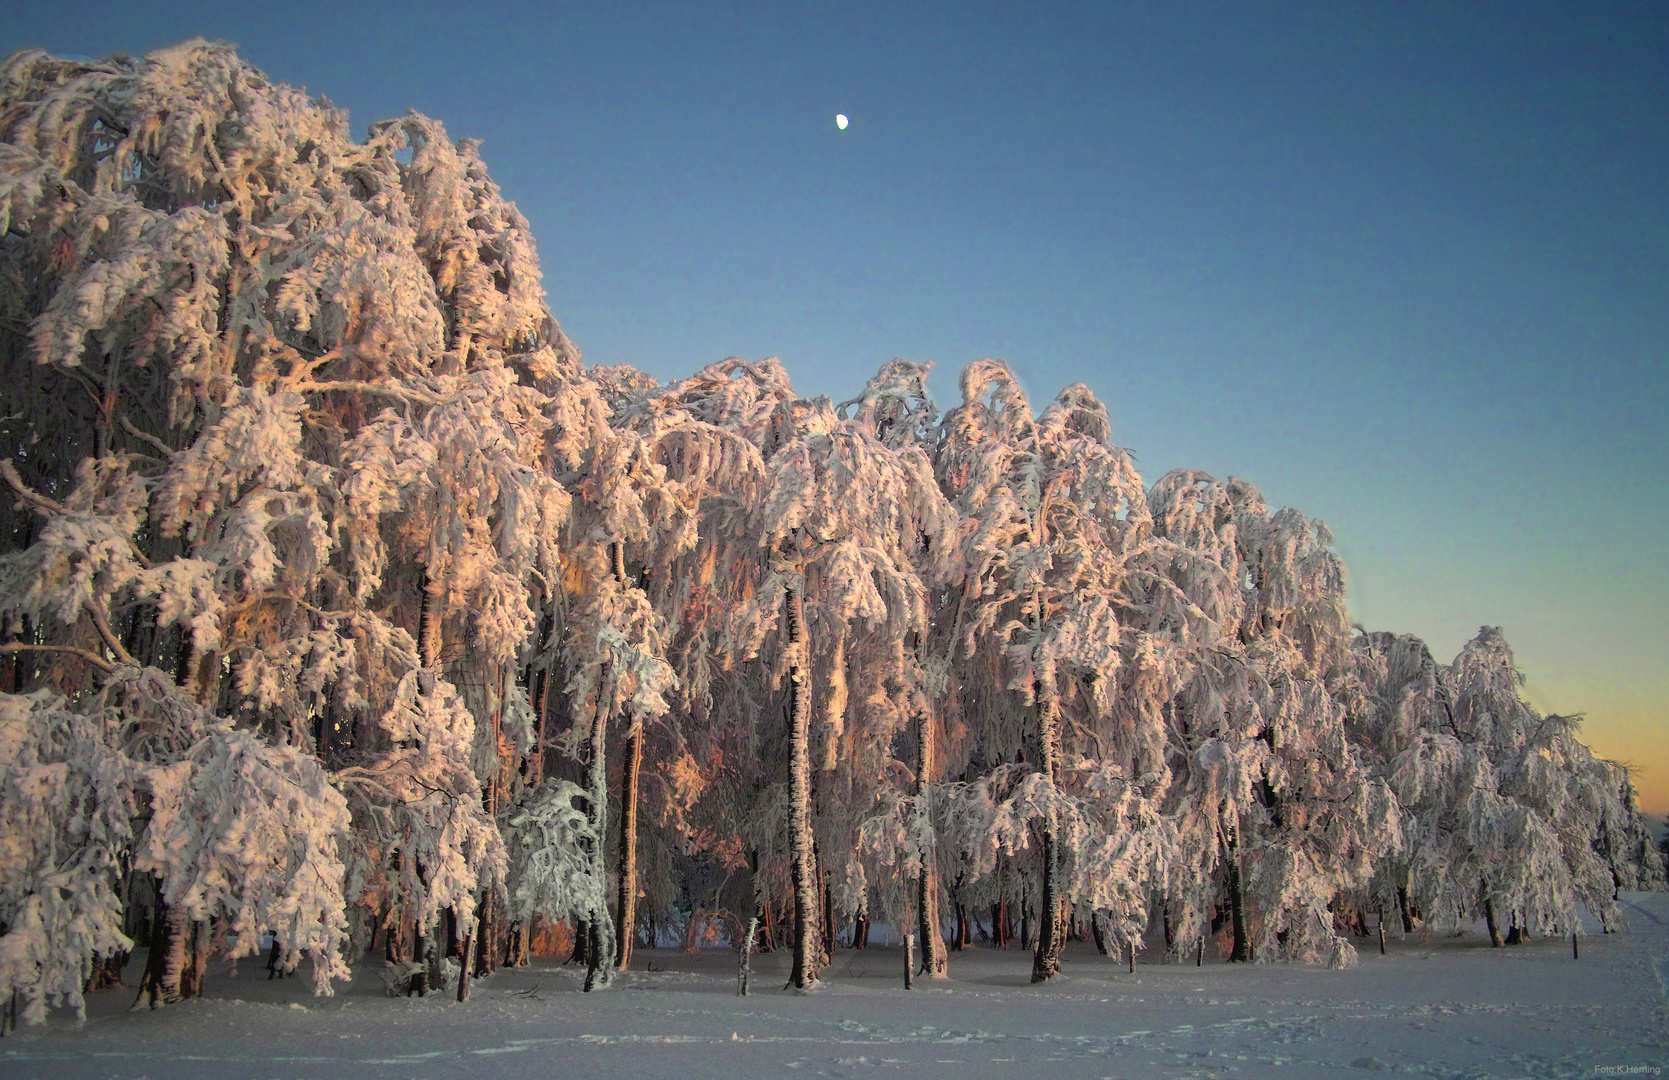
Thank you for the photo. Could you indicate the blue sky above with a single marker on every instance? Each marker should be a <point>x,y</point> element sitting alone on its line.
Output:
<point>1405,266</point>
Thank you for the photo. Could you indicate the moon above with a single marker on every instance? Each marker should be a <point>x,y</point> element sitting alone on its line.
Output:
<point>841,121</point>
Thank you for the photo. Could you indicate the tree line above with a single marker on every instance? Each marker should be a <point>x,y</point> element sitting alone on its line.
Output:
<point>343,604</point>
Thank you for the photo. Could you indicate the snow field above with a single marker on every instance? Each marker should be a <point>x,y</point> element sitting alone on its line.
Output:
<point>1438,1006</point>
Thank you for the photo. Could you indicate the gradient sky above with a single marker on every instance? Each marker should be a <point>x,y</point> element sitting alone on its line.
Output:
<point>1405,267</point>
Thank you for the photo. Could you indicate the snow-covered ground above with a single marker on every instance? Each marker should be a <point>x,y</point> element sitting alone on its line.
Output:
<point>1445,1007</point>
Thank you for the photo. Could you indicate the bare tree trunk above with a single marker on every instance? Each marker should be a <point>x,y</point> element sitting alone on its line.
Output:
<point>419,984</point>
<point>746,967</point>
<point>490,914</point>
<point>626,895</point>
<point>933,961</point>
<point>428,628</point>
<point>538,691</point>
<point>801,856</point>
<point>1242,952</point>
<point>1242,941</point>
<point>826,938</point>
<point>394,939</point>
<point>581,952</point>
<point>463,968</point>
<point>1046,963</point>
<point>599,970</point>
<point>1489,920</point>
<point>517,945</point>
<point>762,911</point>
<point>166,963</point>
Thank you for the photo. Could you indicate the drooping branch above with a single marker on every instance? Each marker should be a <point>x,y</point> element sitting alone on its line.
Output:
<point>91,657</point>
<point>29,495</point>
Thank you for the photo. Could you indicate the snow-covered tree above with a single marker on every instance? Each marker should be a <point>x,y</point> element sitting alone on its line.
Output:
<point>675,472</point>
<point>840,529</point>
<point>321,376</point>
<point>1055,513</point>
<point>312,520</point>
<point>66,798</point>
<point>1270,793</point>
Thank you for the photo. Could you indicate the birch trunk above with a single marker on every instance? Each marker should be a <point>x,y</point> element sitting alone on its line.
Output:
<point>1046,963</point>
<point>428,629</point>
<point>801,855</point>
<point>626,896</point>
<point>599,970</point>
<point>933,963</point>
<point>165,966</point>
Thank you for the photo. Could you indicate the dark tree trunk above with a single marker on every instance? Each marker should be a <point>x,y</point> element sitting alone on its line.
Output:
<point>1242,941</point>
<point>1100,933</point>
<point>1402,904</point>
<point>166,964</point>
<point>107,972</point>
<point>581,953</point>
<point>428,626</point>
<point>538,691</point>
<point>1046,963</point>
<point>1494,928</point>
<point>140,639</point>
<point>1242,951</point>
<point>463,968</point>
<point>185,656</point>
